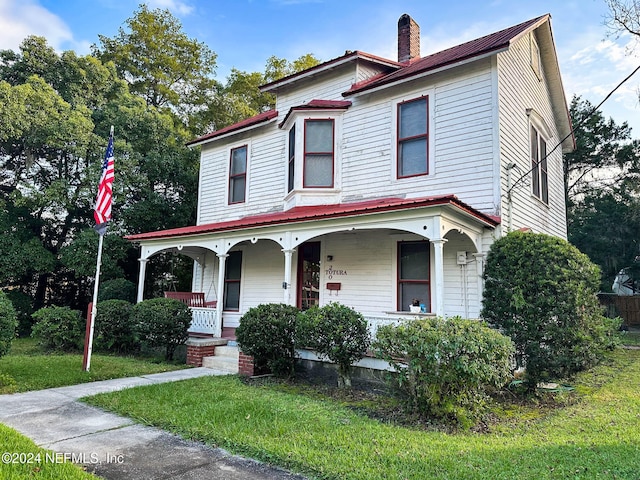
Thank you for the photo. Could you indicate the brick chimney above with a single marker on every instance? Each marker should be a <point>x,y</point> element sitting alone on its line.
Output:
<point>408,39</point>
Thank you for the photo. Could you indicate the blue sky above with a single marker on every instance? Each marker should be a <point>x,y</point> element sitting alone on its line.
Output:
<point>244,33</point>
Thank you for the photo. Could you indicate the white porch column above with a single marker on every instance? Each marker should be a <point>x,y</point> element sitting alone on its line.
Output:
<point>480,271</point>
<point>222,261</point>
<point>288,255</point>
<point>438,247</point>
<point>141,274</point>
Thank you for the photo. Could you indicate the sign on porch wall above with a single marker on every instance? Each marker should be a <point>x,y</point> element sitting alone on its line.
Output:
<point>331,272</point>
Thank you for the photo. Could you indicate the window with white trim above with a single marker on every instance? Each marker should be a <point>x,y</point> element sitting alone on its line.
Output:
<point>232,277</point>
<point>318,153</point>
<point>413,274</point>
<point>413,138</point>
<point>238,174</point>
<point>292,159</point>
<point>539,170</point>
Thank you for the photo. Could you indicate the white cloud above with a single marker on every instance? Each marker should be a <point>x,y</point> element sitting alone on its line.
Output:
<point>174,6</point>
<point>19,19</point>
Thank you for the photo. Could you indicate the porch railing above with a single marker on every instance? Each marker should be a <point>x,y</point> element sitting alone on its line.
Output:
<point>376,322</point>
<point>204,320</point>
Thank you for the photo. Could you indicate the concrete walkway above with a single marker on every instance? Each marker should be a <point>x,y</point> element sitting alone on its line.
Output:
<point>115,447</point>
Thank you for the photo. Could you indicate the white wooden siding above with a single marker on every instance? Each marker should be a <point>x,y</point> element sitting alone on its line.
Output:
<point>462,148</point>
<point>520,89</point>
<point>364,263</point>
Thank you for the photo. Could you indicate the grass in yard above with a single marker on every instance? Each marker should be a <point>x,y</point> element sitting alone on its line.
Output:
<point>630,338</point>
<point>33,370</point>
<point>594,436</point>
<point>26,460</point>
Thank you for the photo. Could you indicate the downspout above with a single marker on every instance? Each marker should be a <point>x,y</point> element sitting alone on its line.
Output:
<point>510,167</point>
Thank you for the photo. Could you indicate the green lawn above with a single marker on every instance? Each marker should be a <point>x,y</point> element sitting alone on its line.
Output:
<point>34,371</point>
<point>31,370</point>
<point>26,460</point>
<point>596,436</point>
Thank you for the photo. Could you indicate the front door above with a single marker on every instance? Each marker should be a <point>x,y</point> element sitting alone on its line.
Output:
<point>309,275</point>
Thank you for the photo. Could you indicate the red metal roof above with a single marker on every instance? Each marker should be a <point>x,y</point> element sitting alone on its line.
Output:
<point>318,105</point>
<point>349,56</point>
<point>474,48</point>
<point>249,122</point>
<point>319,212</point>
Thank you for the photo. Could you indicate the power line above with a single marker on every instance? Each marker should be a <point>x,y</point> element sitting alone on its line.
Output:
<point>573,128</point>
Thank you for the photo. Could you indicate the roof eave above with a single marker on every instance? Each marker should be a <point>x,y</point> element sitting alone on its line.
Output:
<point>381,86</point>
<point>326,67</point>
<point>196,143</point>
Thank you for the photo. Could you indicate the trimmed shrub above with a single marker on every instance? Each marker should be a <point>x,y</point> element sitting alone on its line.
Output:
<point>59,329</point>
<point>445,367</point>
<point>162,322</point>
<point>117,289</point>
<point>8,323</point>
<point>23,304</point>
<point>113,330</point>
<point>267,332</point>
<point>541,291</point>
<point>338,333</point>
<point>8,384</point>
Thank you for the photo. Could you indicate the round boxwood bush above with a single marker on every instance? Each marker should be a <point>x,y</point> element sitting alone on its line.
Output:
<point>162,322</point>
<point>113,330</point>
<point>23,305</point>
<point>59,328</point>
<point>117,289</point>
<point>8,323</point>
<point>267,332</point>
<point>338,333</point>
<point>541,291</point>
<point>445,368</point>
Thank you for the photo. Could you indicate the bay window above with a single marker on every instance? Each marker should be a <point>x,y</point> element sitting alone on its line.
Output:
<point>318,153</point>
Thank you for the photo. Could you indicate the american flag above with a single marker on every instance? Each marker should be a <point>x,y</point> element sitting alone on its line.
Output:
<point>102,211</point>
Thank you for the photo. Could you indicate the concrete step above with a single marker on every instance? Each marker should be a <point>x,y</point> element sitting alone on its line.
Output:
<point>227,351</point>
<point>224,359</point>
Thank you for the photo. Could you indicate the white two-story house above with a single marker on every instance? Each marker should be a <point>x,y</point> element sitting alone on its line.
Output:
<point>375,182</point>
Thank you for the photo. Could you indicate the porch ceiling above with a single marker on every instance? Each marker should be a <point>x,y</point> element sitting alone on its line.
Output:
<point>318,212</point>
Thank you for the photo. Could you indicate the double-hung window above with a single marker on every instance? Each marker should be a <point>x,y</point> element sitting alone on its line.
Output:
<point>539,172</point>
<point>318,153</point>
<point>232,276</point>
<point>413,274</point>
<point>413,138</point>
<point>238,175</point>
<point>292,159</point>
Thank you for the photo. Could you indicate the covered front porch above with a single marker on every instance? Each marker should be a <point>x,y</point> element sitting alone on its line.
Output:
<point>375,256</point>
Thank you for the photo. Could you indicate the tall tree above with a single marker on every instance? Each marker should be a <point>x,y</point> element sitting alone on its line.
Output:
<point>602,177</point>
<point>159,61</point>
<point>242,94</point>
<point>605,154</point>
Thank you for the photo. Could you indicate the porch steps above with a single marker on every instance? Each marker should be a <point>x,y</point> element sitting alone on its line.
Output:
<point>225,358</point>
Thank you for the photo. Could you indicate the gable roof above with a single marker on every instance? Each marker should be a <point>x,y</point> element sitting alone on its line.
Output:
<point>320,212</point>
<point>489,44</point>
<point>348,57</point>
<point>247,123</point>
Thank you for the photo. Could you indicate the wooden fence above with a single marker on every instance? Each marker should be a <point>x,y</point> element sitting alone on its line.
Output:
<point>627,307</point>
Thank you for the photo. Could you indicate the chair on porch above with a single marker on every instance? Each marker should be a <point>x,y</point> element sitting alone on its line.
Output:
<point>191,299</point>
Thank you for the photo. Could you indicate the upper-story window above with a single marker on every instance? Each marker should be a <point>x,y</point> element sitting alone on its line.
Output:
<point>292,159</point>
<point>413,138</point>
<point>318,153</point>
<point>539,172</point>
<point>238,175</point>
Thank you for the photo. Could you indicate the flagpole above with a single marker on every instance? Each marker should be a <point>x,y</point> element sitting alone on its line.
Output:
<point>94,305</point>
<point>102,214</point>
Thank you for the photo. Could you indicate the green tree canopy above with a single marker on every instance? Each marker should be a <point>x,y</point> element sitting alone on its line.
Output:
<point>158,60</point>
